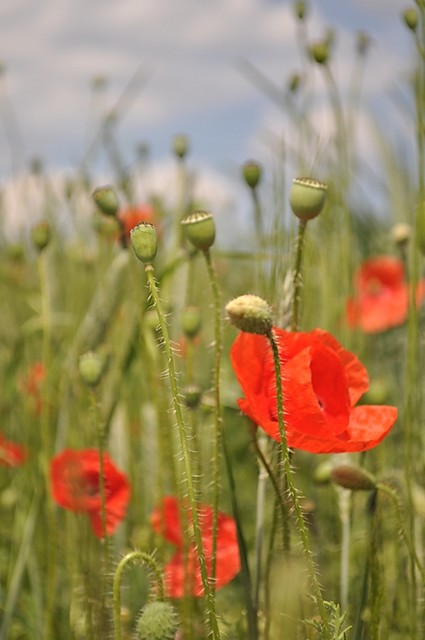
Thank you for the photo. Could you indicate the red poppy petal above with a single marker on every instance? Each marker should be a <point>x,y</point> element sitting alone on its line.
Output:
<point>370,424</point>
<point>165,520</point>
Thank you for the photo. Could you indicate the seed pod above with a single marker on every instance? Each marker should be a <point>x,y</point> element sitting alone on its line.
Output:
<point>199,228</point>
<point>251,172</point>
<point>307,197</point>
<point>144,242</point>
<point>411,18</point>
<point>41,235</point>
<point>107,201</point>
<point>180,145</point>
<point>191,321</point>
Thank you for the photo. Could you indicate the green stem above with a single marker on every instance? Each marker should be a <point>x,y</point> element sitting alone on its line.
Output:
<point>289,476</point>
<point>133,555</point>
<point>208,591</point>
<point>297,282</point>
<point>217,401</point>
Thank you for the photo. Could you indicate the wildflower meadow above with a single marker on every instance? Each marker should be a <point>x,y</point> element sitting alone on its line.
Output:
<point>203,441</point>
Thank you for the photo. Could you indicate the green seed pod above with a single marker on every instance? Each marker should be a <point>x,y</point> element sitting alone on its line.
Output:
<point>180,146</point>
<point>307,197</point>
<point>158,622</point>
<point>300,9</point>
<point>251,314</point>
<point>192,396</point>
<point>107,201</point>
<point>191,321</point>
<point>40,235</point>
<point>319,52</point>
<point>411,18</point>
<point>199,228</point>
<point>420,228</point>
<point>354,478</point>
<point>144,242</point>
<point>251,172</point>
<point>92,367</point>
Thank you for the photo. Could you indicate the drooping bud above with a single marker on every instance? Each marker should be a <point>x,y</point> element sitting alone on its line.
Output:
<point>411,18</point>
<point>307,197</point>
<point>40,235</point>
<point>92,367</point>
<point>354,478</point>
<point>251,172</point>
<point>191,321</point>
<point>251,314</point>
<point>107,201</point>
<point>180,145</point>
<point>319,51</point>
<point>199,228</point>
<point>144,242</point>
<point>158,622</point>
<point>192,395</point>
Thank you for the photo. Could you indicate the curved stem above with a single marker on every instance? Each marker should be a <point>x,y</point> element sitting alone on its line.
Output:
<point>133,555</point>
<point>208,591</point>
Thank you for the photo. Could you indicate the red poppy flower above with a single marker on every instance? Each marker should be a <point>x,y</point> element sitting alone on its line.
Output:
<point>75,485</point>
<point>32,382</point>
<point>321,384</point>
<point>11,454</point>
<point>380,301</point>
<point>184,567</point>
<point>132,216</point>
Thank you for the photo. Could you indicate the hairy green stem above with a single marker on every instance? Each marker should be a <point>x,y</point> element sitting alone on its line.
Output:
<point>298,278</point>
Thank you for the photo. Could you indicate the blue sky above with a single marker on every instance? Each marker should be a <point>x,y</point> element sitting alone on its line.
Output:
<point>189,54</point>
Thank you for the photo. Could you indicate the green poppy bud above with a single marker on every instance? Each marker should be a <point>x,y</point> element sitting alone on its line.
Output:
<point>307,197</point>
<point>158,622</point>
<point>300,9</point>
<point>199,228</point>
<point>192,396</point>
<point>191,321</point>
<point>40,235</point>
<point>106,200</point>
<point>92,367</point>
<point>251,314</point>
<point>354,478</point>
<point>251,172</point>
<point>411,18</point>
<point>319,51</point>
<point>401,234</point>
<point>144,242</point>
<point>180,146</point>
<point>294,82</point>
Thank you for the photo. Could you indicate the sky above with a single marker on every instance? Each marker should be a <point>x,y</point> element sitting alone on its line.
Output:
<point>182,68</point>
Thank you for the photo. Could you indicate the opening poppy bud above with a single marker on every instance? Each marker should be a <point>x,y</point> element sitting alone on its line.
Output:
<point>307,197</point>
<point>40,235</point>
<point>144,242</point>
<point>410,17</point>
<point>319,51</point>
<point>199,228</point>
<point>192,395</point>
<point>180,146</point>
<point>107,201</point>
<point>354,478</point>
<point>158,622</point>
<point>191,321</point>
<point>420,227</point>
<point>401,234</point>
<point>300,9</point>
<point>251,172</point>
<point>92,366</point>
<point>251,314</point>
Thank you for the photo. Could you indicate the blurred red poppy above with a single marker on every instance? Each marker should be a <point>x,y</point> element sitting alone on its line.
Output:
<point>182,573</point>
<point>321,384</point>
<point>11,453</point>
<point>132,216</point>
<point>380,299</point>
<point>75,485</point>
<point>32,382</point>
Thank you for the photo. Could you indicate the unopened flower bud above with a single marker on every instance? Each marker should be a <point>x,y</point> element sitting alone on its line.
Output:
<point>251,314</point>
<point>251,172</point>
<point>322,473</point>
<point>410,17</point>
<point>199,228</point>
<point>92,367</point>
<point>180,145</point>
<point>158,622</point>
<point>40,235</point>
<point>401,234</point>
<point>307,197</point>
<point>192,395</point>
<point>319,51</point>
<point>106,199</point>
<point>144,242</point>
<point>191,321</point>
<point>354,478</point>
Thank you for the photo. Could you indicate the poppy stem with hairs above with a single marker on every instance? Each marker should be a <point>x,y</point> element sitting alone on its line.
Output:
<point>289,475</point>
<point>298,278</point>
<point>130,557</point>
<point>208,590</point>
